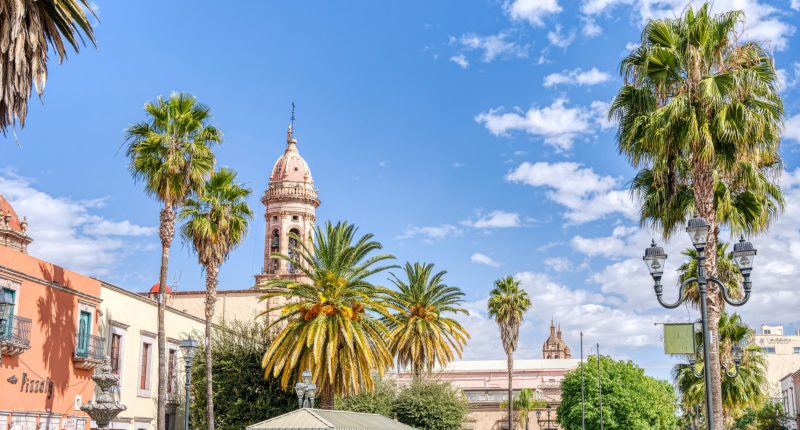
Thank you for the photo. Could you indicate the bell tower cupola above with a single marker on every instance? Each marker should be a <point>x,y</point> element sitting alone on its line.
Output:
<point>291,202</point>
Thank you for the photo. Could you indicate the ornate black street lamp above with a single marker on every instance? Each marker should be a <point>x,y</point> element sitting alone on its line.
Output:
<point>743,255</point>
<point>189,347</point>
<point>305,391</point>
<point>548,423</point>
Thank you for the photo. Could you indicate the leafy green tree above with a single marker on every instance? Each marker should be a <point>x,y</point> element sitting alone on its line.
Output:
<point>422,334</point>
<point>700,115</point>
<point>330,319</point>
<point>631,399</point>
<point>507,305</point>
<point>379,401</point>
<point>431,405</point>
<point>747,390</point>
<point>171,153</point>
<point>525,403</point>
<point>29,29</point>
<point>242,396</point>
<point>769,416</point>
<point>215,222</point>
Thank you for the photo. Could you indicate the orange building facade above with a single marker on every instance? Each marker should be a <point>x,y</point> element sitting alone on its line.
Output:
<point>48,337</point>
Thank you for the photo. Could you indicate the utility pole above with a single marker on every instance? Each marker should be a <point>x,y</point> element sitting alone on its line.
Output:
<point>599,386</point>
<point>583,409</point>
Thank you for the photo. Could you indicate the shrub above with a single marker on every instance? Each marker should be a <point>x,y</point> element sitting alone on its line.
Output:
<point>431,405</point>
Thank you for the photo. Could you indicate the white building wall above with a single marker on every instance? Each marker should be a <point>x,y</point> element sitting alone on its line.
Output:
<point>134,318</point>
<point>782,352</point>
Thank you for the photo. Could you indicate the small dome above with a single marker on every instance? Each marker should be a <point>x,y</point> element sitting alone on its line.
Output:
<point>291,167</point>
<point>7,210</point>
<point>157,286</point>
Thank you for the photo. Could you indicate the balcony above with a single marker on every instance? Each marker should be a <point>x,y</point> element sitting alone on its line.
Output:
<point>89,351</point>
<point>15,335</point>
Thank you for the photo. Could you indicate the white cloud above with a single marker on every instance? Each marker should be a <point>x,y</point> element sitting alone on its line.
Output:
<point>796,4</point>
<point>592,76</point>
<point>68,233</point>
<point>791,129</point>
<point>533,11</point>
<point>558,39</point>
<point>496,219</point>
<point>590,28</point>
<point>558,264</point>
<point>586,195</point>
<point>430,232</point>
<point>630,46</point>
<point>594,7</point>
<point>492,46</point>
<point>461,60</point>
<point>484,259</point>
<point>558,124</point>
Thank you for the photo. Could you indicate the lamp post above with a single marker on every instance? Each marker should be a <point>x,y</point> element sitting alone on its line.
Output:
<point>5,306</point>
<point>743,255</point>
<point>305,391</point>
<point>548,422</point>
<point>189,347</point>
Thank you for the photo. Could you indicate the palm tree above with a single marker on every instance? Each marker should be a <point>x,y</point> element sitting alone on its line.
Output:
<point>748,389</point>
<point>331,318</point>
<point>420,334</point>
<point>215,222</point>
<point>700,115</point>
<point>525,403</point>
<point>28,29</point>
<point>170,152</point>
<point>507,305</point>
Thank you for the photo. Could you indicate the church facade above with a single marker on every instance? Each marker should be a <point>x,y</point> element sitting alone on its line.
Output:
<point>555,348</point>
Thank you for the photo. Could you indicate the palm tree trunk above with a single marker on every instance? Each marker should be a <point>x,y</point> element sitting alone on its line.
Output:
<point>510,358</point>
<point>212,271</point>
<point>704,203</point>
<point>166,233</point>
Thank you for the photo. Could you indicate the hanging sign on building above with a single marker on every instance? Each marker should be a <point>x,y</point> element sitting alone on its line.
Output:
<point>679,338</point>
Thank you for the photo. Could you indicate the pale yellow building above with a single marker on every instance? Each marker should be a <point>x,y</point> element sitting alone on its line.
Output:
<point>231,305</point>
<point>782,352</point>
<point>129,323</point>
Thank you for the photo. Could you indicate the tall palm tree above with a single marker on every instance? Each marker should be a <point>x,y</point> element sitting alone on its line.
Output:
<point>28,30</point>
<point>420,333</point>
<point>171,153</point>
<point>700,114</point>
<point>525,403</point>
<point>507,305</point>
<point>747,389</point>
<point>331,318</point>
<point>215,223</point>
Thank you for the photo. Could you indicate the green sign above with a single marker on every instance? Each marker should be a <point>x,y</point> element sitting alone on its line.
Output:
<point>679,338</point>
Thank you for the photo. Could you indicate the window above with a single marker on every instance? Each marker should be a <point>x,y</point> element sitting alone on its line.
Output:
<point>84,331</point>
<point>295,218</point>
<point>796,350</point>
<point>172,362</point>
<point>8,330</point>
<point>767,331</point>
<point>145,366</point>
<point>116,340</point>
<point>769,349</point>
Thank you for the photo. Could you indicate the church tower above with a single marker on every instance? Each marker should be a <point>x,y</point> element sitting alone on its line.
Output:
<point>555,347</point>
<point>291,206</point>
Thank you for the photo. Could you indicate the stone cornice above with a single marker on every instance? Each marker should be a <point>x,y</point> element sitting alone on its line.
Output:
<point>12,272</point>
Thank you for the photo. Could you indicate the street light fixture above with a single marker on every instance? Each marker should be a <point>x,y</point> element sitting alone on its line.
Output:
<point>743,254</point>
<point>189,347</point>
<point>548,423</point>
<point>305,391</point>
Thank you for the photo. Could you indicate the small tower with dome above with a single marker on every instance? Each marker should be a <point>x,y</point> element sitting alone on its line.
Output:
<point>555,347</point>
<point>13,231</point>
<point>291,206</point>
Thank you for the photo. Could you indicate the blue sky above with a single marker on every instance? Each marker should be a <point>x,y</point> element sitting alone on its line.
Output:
<point>467,134</point>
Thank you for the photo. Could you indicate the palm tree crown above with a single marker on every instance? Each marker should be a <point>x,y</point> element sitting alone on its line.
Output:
<point>331,317</point>
<point>217,219</point>
<point>171,150</point>
<point>421,335</point>
<point>507,305</point>
<point>28,29</point>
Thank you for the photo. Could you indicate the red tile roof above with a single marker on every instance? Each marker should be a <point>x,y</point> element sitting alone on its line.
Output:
<point>6,208</point>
